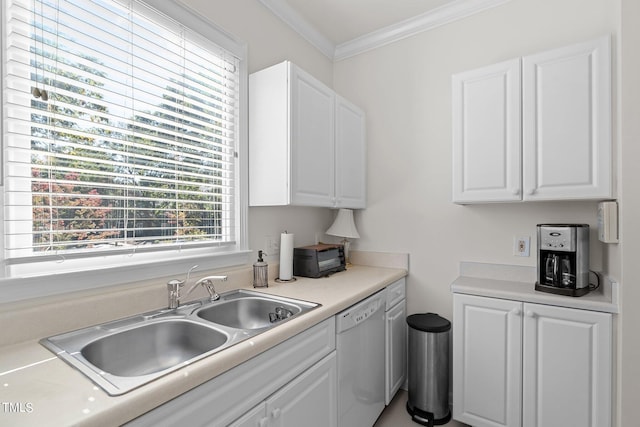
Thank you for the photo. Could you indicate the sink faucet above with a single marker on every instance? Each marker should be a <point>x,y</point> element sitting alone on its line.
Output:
<point>207,282</point>
<point>174,286</point>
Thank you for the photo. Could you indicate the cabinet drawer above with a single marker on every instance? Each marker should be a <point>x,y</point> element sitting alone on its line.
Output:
<point>396,292</point>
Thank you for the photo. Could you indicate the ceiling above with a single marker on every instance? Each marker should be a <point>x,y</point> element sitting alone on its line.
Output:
<point>344,28</point>
<point>344,20</point>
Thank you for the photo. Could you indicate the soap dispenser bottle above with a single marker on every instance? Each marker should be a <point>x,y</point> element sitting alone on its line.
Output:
<point>260,272</point>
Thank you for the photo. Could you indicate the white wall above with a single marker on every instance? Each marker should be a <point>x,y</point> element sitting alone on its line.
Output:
<point>405,89</point>
<point>269,42</point>
<point>629,354</point>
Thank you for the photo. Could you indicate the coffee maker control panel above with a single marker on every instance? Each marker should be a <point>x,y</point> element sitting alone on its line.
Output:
<point>558,239</point>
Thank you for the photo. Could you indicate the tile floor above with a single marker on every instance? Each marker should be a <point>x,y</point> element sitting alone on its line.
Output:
<point>396,415</point>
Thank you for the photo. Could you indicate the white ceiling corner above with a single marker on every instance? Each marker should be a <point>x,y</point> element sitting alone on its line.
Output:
<point>445,14</point>
<point>291,17</point>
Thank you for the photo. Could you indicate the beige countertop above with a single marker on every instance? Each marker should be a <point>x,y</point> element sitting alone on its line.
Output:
<point>38,388</point>
<point>518,283</point>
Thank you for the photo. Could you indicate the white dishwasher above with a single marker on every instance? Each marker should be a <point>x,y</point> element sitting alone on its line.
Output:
<point>360,343</point>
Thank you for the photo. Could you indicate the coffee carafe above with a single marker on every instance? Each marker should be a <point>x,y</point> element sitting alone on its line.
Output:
<point>563,259</point>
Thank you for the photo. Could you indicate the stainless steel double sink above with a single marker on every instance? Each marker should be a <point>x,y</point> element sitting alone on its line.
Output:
<point>122,355</point>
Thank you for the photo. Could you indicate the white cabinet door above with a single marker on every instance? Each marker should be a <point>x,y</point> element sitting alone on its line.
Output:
<point>312,140</point>
<point>269,137</point>
<point>487,370</point>
<point>552,369</point>
<point>309,400</point>
<point>257,417</point>
<point>396,350</point>
<point>567,122</point>
<point>487,134</point>
<point>350,161</point>
<point>567,367</point>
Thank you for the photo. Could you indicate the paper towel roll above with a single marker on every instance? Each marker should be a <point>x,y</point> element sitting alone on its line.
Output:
<point>286,256</point>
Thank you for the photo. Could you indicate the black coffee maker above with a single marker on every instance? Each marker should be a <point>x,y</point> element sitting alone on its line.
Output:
<point>563,259</point>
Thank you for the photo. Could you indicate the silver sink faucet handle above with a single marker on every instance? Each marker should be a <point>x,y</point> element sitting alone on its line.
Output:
<point>207,282</point>
<point>173,288</point>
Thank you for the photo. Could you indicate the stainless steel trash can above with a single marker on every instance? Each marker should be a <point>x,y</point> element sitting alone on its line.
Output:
<point>428,369</point>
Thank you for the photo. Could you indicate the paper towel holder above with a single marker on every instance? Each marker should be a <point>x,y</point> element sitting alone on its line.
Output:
<point>286,256</point>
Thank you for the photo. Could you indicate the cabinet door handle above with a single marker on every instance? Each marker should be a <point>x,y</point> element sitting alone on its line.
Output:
<point>263,422</point>
<point>516,191</point>
<point>530,314</point>
<point>275,413</point>
<point>516,311</point>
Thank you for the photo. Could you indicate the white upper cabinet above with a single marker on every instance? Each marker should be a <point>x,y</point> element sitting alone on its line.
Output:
<point>567,122</point>
<point>351,170</point>
<point>536,128</point>
<point>312,140</point>
<point>486,134</point>
<point>306,144</point>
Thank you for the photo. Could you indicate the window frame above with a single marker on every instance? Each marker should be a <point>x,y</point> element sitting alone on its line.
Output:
<point>146,266</point>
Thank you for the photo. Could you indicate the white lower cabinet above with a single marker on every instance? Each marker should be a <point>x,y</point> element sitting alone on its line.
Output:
<point>395,339</point>
<point>487,361</point>
<point>255,417</point>
<point>308,400</point>
<point>523,364</point>
<point>294,383</point>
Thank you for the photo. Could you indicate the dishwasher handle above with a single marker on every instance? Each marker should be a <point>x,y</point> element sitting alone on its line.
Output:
<point>361,312</point>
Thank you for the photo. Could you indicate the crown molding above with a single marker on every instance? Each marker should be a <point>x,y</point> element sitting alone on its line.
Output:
<point>427,21</point>
<point>443,15</point>
<point>291,17</point>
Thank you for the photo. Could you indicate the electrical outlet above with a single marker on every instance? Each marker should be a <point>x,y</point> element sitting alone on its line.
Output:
<point>521,245</point>
<point>271,245</point>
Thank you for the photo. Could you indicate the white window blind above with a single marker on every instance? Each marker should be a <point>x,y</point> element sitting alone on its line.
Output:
<point>120,132</point>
